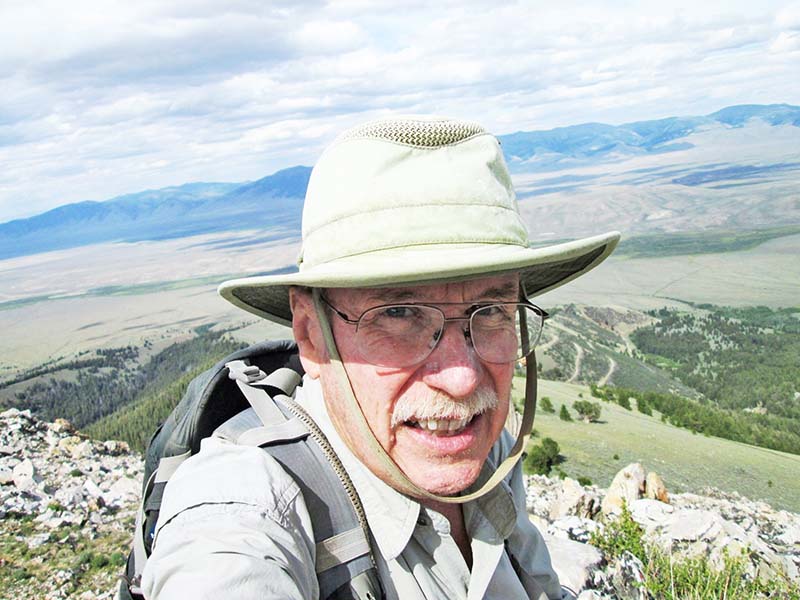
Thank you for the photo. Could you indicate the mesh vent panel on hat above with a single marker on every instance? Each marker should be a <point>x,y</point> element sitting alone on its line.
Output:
<point>417,133</point>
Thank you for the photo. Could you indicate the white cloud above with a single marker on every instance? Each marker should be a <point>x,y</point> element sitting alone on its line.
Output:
<point>108,97</point>
<point>322,37</point>
<point>785,42</point>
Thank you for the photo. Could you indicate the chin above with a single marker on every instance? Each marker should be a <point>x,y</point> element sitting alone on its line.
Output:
<point>448,480</point>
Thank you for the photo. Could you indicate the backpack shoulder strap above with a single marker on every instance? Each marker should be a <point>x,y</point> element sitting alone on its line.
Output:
<point>345,565</point>
<point>344,562</point>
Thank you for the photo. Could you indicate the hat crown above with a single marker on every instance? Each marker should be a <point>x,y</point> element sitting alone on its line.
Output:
<point>408,182</point>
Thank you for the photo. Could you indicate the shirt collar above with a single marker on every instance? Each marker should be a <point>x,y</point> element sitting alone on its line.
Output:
<point>388,511</point>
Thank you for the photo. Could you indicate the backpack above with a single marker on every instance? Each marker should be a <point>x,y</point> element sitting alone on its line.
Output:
<point>247,398</point>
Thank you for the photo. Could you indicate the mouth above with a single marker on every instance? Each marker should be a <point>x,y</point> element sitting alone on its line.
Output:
<point>441,427</point>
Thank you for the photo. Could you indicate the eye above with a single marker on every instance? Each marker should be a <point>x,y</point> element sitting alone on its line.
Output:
<point>396,315</point>
<point>493,314</point>
<point>399,312</point>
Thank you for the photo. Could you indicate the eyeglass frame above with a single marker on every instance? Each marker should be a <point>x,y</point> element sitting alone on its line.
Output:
<point>476,306</point>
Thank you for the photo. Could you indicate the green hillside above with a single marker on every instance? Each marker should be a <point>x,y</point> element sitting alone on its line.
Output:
<point>686,461</point>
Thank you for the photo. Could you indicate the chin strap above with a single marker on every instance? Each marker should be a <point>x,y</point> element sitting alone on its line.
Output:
<point>398,479</point>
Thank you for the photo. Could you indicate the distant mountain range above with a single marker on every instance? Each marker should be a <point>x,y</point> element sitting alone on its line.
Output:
<point>597,140</point>
<point>173,212</point>
<point>276,200</point>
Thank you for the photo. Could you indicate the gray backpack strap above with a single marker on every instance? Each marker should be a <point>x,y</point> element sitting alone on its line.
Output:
<point>247,377</point>
<point>343,548</point>
<point>344,563</point>
<point>145,523</point>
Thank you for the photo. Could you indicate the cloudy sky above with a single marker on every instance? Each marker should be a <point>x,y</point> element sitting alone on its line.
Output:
<point>100,98</point>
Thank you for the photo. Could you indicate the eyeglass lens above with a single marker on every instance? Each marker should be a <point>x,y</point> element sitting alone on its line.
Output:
<point>402,335</point>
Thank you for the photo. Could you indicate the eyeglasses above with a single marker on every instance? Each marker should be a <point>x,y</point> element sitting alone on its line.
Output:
<point>401,335</point>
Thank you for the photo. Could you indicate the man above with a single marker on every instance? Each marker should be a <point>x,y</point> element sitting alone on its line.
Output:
<point>410,310</point>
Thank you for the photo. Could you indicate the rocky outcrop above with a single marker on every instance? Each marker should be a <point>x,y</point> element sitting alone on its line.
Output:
<point>60,489</point>
<point>67,505</point>
<point>628,485</point>
<point>654,488</point>
<point>690,525</point>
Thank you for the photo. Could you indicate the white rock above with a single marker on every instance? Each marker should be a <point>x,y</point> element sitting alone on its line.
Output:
<point>82,450</point>
<point>541,523</point>
<point>652,514</point>
<point>692,525</point>
<point>790,535</point>
<point>26,476</point>
<point>6,476</point>
<point>122,491</point>
<point>573,562</point>
<point>92,489</point>
<point>790,568</point>
<point>15,412</point>
<point>628,578</point>
<point>37,540</point>
<point>574,528</point>
<point>573,499</point>
<point>655,488</point>
<point>626,488</point>
<point>69,496</point>
<point>115,448</point>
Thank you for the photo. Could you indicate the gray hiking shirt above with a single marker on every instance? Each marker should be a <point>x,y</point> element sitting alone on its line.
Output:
<point>233,524</point>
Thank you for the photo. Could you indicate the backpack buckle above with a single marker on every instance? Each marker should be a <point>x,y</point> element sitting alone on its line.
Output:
<point>241,371</point>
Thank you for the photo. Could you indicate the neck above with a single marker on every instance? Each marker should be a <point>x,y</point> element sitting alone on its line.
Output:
<point>458,530</point>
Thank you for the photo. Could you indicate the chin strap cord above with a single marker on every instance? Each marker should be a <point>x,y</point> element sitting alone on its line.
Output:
<point>398,479</point>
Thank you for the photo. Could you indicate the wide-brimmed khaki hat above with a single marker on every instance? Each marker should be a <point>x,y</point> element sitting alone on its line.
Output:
<point>414,200</point>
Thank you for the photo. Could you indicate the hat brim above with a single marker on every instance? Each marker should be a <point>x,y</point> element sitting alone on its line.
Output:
<point>540,269</point>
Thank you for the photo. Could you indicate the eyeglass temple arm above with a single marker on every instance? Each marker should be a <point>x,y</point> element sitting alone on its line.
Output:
<point>338,313</point>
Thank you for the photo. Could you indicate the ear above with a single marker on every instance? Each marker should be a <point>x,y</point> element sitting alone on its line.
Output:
<point>306,331</point>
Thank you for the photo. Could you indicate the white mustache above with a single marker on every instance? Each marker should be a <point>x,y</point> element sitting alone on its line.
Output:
<point>443,406</point>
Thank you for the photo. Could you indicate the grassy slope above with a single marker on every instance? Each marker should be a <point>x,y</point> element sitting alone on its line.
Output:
<point>686,461</point>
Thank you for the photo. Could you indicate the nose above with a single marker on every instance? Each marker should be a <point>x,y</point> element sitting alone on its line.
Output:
<point>453,367</point>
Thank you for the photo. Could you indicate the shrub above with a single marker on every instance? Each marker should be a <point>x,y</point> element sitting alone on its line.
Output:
<point>669,578</point>
<point>117,559</point>
<point>643,407</point>
<point>99,561</point>
<point>546,405</point>
<point>564,414</point>
<point>588,411</point>
<point>542,457</point>
<point>584,481</point>
<point>622,534</point>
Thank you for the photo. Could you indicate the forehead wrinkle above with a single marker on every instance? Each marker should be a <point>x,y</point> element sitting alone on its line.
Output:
<point>393,295</point>
<point>502,292</point>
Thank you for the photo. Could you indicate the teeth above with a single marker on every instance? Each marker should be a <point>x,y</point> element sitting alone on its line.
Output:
<point>443,425</point>
<point>458,424</point>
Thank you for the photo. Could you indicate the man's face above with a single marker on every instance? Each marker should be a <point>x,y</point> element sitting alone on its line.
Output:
<point>443,455</point>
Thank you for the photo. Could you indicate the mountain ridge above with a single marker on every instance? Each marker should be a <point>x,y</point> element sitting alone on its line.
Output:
<point>592,139</point>
<point>276,200</point>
